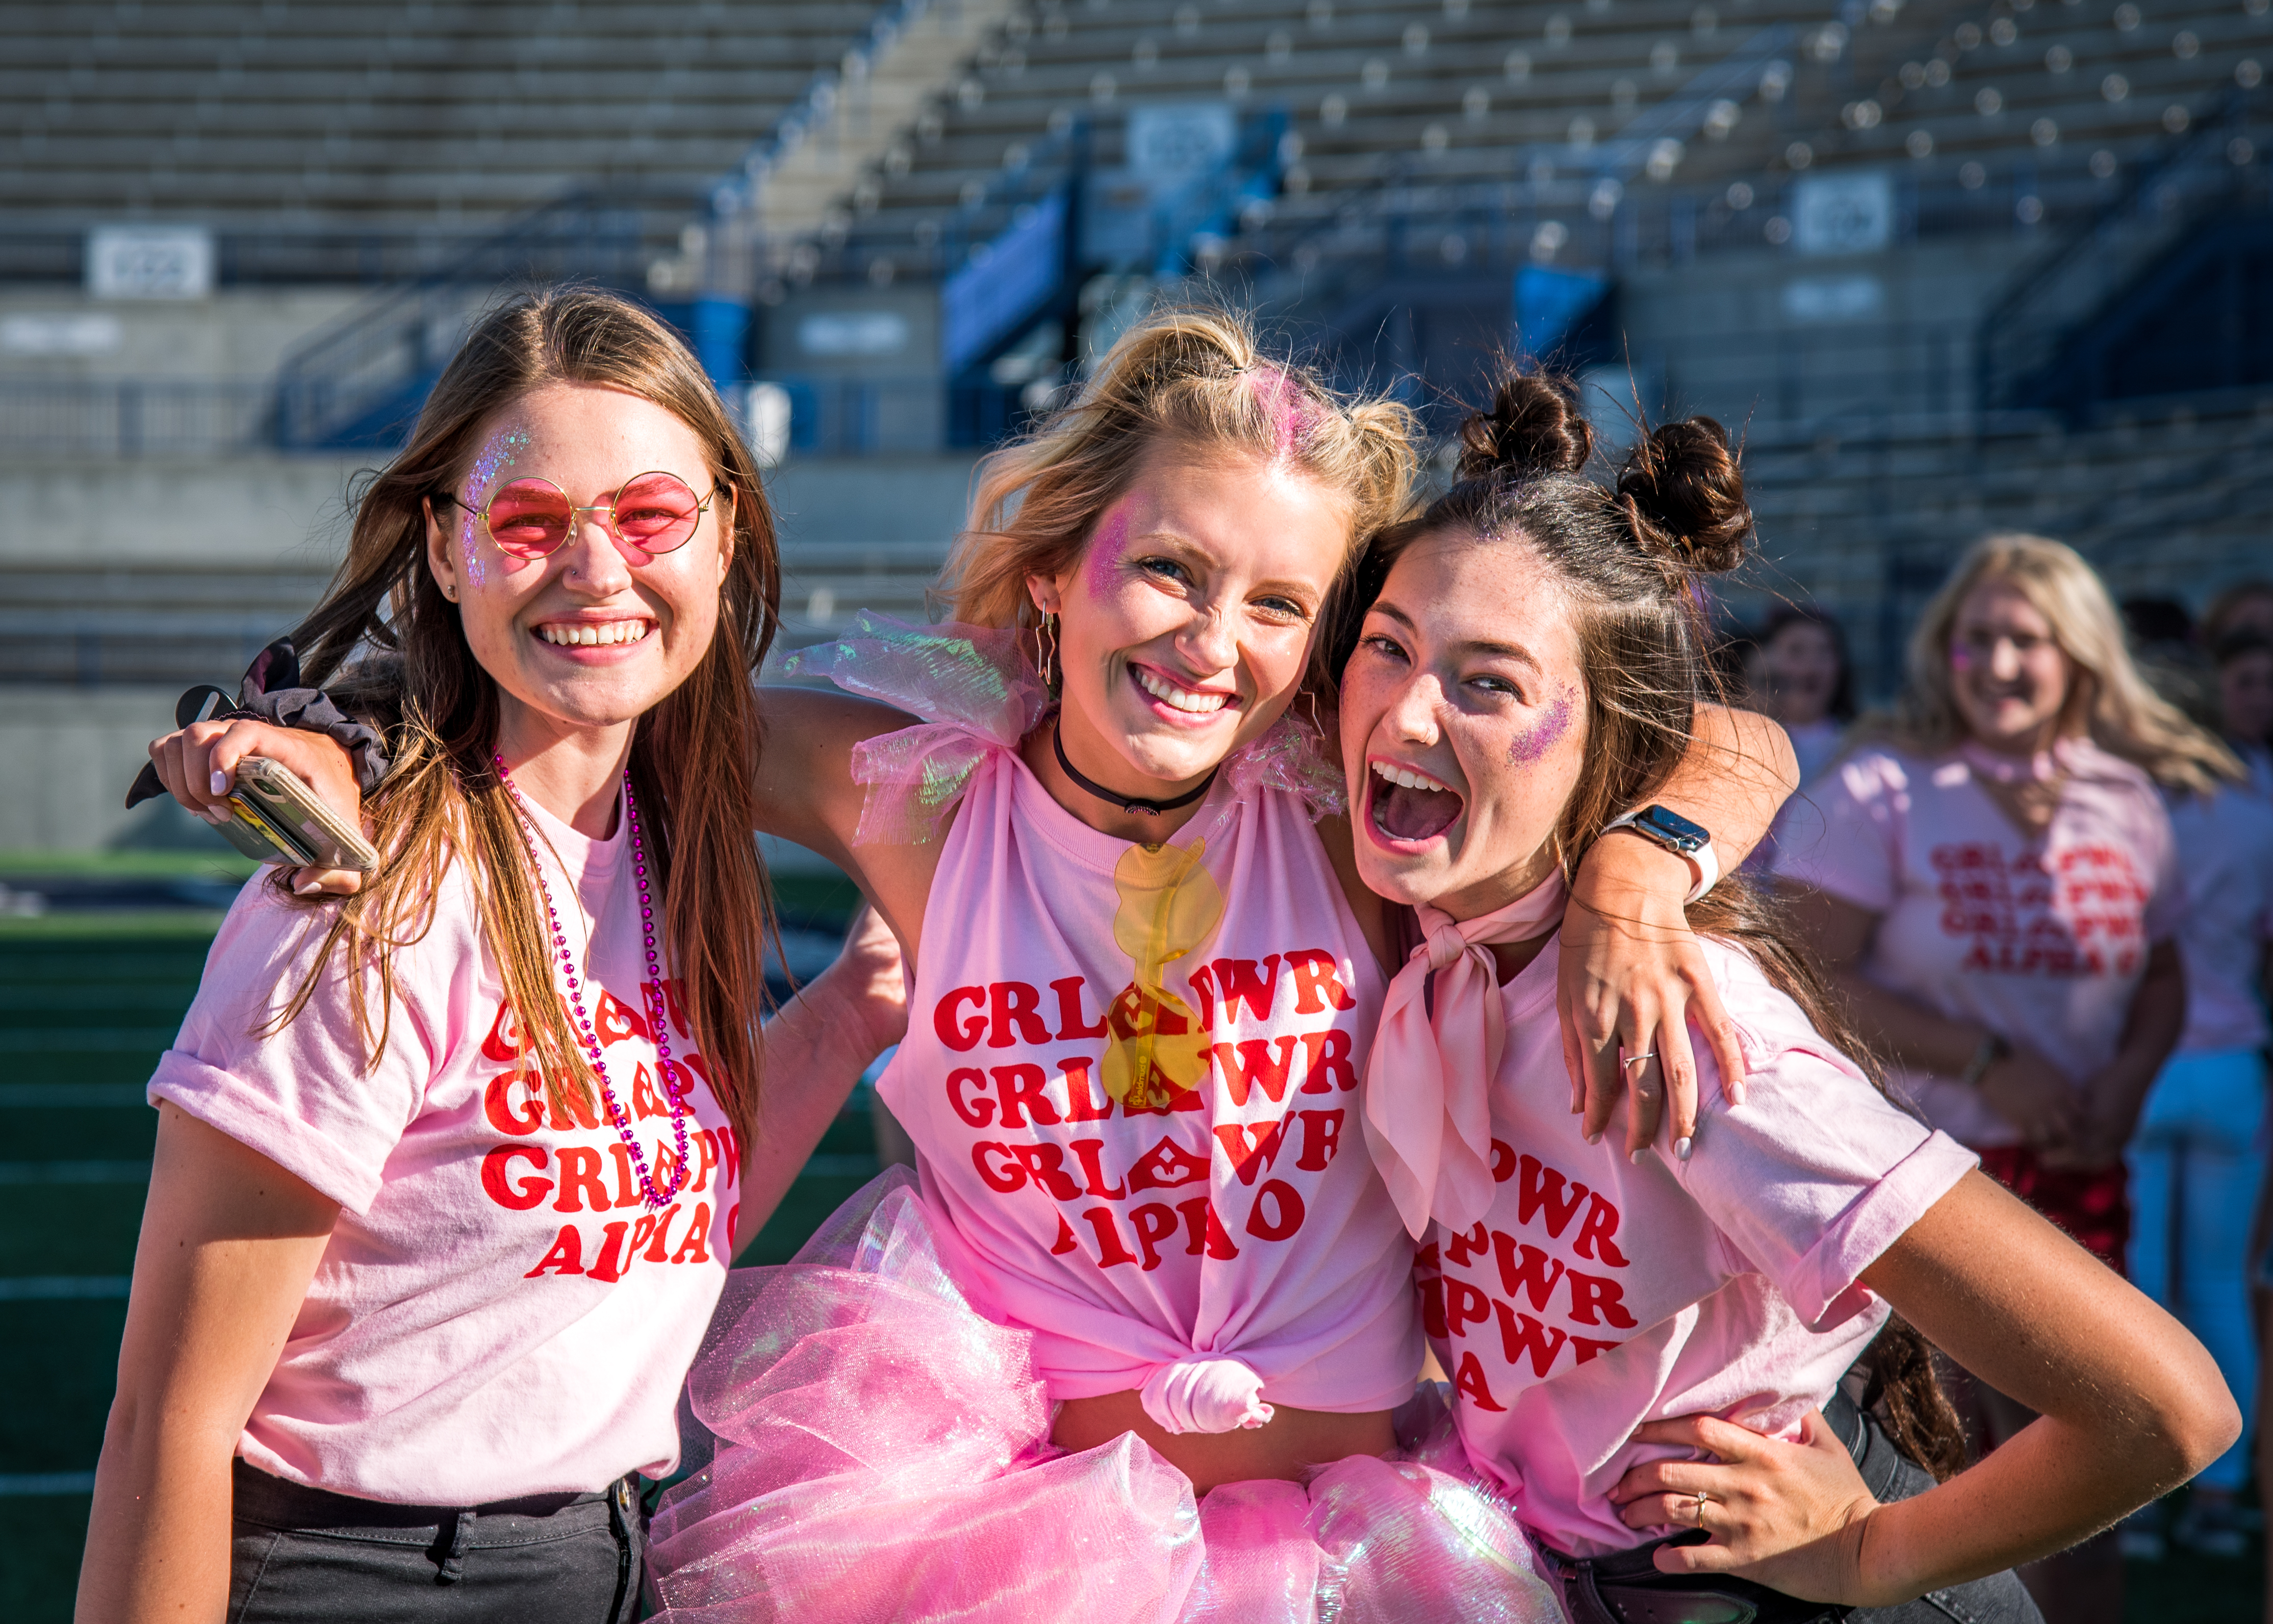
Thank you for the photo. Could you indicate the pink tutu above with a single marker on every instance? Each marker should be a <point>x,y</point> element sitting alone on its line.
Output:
<point>881,1453</point>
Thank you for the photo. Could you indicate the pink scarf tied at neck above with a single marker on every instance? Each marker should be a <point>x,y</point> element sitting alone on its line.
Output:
<point>1428,1084</point>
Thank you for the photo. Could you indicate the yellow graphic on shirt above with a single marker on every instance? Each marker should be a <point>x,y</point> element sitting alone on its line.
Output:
<point>1169,904</point>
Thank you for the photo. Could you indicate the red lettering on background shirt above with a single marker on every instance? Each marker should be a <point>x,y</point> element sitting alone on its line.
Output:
<point>2082,916</point>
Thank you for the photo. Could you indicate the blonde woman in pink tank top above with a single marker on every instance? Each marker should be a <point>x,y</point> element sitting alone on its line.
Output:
<point>1129,1345</point>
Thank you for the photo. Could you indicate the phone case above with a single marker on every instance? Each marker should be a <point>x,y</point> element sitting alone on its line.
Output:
<point>278,813</point>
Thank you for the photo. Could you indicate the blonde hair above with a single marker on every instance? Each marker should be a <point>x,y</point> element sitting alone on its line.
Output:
<point>2110,700</point>
<point>1193,377</point>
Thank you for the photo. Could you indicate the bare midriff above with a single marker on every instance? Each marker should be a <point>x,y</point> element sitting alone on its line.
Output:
<point>1285,1446</point>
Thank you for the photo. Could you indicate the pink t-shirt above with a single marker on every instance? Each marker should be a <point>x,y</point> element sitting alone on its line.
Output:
<point>1596,1295</point>
<point>2041,939</point>
<point>1237,1217</point>
<point>2226,857</point>
<point>498,1313</point>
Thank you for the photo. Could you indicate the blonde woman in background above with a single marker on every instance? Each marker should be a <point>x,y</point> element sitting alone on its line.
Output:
<point>1993,883</point>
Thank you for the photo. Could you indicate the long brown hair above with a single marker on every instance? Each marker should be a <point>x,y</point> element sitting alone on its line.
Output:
<point>1195,377</point>
<point>1631,557</point>
<point>695,753</point>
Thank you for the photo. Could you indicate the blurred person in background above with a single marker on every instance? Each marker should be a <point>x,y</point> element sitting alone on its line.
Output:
<point>1806,683</point>
<point>2237,629</point>
<point>1994,886</point>
<point>2197,1166</point>
<point>1802,678</point>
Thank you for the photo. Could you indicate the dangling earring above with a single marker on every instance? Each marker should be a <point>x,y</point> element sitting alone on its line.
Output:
<point>1317,723</point>
<point>1049,649</point>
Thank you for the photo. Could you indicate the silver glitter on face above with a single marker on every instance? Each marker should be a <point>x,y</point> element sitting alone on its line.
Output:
<point>490,464</point>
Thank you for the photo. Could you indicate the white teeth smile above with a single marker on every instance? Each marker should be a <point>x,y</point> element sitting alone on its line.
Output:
<point>1405,778</point>
<point>1182,699</point>
<point>583,635</point>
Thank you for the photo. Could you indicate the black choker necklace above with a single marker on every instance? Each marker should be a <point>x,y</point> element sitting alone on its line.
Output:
<point>1126,803</point>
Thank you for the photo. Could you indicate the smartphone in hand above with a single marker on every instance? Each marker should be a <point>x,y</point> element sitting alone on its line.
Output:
<point>276,818</point>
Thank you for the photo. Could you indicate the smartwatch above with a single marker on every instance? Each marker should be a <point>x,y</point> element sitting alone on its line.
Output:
<point>1677,834</point>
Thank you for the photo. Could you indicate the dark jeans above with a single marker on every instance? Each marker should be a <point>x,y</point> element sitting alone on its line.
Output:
<point>1627,1589</point>
<point>304,1556</point>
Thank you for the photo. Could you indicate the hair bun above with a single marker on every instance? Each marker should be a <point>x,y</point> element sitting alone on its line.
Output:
<point>1534,427</point>
<point>1684,494</point>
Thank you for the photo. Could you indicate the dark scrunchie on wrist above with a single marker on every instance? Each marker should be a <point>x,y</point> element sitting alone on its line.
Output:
<point>271,692</point>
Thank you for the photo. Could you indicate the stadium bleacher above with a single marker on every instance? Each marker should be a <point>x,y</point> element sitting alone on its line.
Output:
<point>365,139</point>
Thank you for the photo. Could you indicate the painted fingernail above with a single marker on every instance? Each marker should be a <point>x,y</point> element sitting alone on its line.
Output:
<point>307,888</point>
<point>1594,1139</point>
<point>1681,1147</point>
<point>1639,1156</point>
<point>220,783</point>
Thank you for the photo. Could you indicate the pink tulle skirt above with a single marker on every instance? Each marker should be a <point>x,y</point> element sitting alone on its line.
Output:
<point>881,1453</point>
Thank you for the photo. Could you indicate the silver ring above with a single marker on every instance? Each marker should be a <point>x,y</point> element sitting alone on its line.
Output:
<point>1638,1059</point>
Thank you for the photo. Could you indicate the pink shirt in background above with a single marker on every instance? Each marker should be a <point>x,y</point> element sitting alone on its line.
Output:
<point>1239,1219</point>
<point>1596,1295</point>
<point>2225,858</point>
<point>2041,939</point>
<point>498,1313</point>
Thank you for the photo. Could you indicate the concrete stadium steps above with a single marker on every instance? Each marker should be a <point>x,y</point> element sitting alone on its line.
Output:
<point>388,116</point>
<point>1362,85</point>
<point>2046,87</point>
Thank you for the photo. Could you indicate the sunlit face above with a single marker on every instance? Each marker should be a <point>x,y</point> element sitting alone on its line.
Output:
<point>2245,696</point>
<point>1464,725</point>
<point>1183,627</point>
<point>649,618</point>
<point>1800,668</point>
<point>2008,674</point>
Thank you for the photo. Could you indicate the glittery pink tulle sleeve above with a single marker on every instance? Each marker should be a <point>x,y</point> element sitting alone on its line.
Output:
<point>1290,757</point>
<point>972,686</point>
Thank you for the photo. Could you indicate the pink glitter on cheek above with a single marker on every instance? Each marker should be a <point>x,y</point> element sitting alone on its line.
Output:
<point>1961,657</point>
<point>1554,722</point>
<point>1101,569</point>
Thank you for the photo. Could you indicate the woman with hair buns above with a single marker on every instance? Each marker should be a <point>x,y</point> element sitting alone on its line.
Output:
<point>1145,1284</point>
<point>1997,896</point>
<point>1650,1357</point>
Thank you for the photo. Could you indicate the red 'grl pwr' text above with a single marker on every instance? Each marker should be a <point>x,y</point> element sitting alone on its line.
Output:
<point>1545,1306</point>
<point>602,1178</point>
<point>1133,1200</point>
<point>2078,911</point>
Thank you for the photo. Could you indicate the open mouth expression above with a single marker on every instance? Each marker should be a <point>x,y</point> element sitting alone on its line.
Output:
<point>1406,809</point>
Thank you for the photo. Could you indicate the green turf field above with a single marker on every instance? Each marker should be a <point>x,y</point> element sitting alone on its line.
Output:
<point>86,1002</point>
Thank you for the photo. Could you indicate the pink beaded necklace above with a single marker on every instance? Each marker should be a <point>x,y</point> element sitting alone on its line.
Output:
<point>651,992</point>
